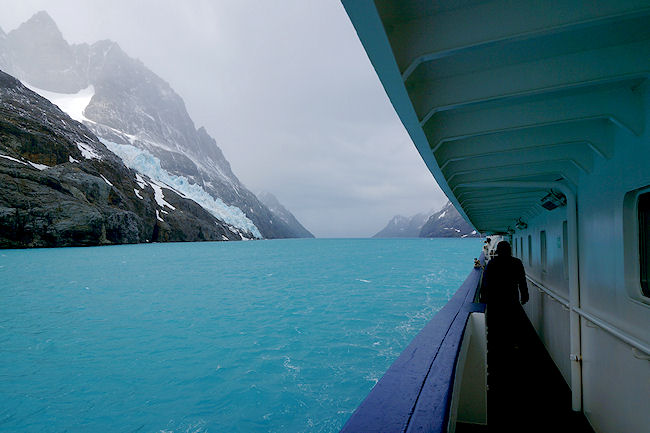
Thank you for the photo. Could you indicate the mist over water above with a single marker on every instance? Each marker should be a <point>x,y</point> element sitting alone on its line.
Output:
<point>264,336</point>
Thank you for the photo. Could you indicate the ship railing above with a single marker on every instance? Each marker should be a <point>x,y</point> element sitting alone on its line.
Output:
<point>439,379</point>
<point>640,350</point>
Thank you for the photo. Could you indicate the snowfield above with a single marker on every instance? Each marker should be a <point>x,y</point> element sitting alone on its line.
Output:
<point>73,104</point>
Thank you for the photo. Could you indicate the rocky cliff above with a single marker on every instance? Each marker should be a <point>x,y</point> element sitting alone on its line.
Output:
<point>60,186</point>
<point>133,110</point>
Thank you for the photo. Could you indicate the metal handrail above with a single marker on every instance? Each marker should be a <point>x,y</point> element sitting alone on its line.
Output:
<point>559,298</point>
<point>602,324</point>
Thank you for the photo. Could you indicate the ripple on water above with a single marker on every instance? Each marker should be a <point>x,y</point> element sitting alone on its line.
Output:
<point>269,336</point>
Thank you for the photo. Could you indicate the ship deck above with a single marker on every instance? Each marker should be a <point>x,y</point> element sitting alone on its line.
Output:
<point>526,391</point>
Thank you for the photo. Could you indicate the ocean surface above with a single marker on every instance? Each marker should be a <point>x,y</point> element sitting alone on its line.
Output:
<point>262,336</point>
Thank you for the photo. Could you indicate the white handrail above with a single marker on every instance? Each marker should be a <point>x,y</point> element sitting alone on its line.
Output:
<point>605,326</point>
<point>621,335</point>
<point>559,298</point>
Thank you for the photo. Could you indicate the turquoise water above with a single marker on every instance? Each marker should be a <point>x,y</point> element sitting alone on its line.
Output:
<point>264,336</point>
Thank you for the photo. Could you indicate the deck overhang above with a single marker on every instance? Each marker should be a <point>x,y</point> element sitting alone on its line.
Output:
<point>499,91</point>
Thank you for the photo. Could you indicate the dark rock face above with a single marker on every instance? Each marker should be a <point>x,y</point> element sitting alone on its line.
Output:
<point>62,187</point>
<point>403,227</point>
<point>281,213</point>
<point>447,223</point>
<point>133,106</point>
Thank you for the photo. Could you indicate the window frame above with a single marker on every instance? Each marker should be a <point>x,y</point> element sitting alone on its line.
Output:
<point>631,247</point>
<point>516,250</point>
<point>542,250</point>
<point>565,249</point>
<point>643,228</point>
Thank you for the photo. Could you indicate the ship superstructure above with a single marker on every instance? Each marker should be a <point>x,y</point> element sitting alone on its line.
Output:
<point>533,118</point>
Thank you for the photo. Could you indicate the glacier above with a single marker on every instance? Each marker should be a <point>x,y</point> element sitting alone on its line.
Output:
<point>145,163</point>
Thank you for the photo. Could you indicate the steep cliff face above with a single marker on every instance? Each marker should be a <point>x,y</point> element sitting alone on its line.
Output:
<point>130,106</point>
<point>60,186</point>
<point>281,213</point>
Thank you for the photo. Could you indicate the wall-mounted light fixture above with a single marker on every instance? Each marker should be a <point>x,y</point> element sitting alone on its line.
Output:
<point>553,200</point>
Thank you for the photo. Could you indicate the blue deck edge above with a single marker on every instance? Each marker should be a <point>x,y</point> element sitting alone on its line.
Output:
<point>415,392</point>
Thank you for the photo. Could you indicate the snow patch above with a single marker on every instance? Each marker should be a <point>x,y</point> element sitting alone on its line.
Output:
<point>140,181</point>
<point>87,151</point>
<point>38,166</point>
<point>158,216</point>
<point>159,196</point>
<point>147,164</point>
<point>108,182</point>
<point>13,159</point>
<point>71,159</point>
<point>73,104</point>
<point>137,193</point>
<point>442,214</point>
<point>28,163</point>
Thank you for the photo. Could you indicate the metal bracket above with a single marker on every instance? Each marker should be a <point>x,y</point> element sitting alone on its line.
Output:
<point>574,357</point>
<point>640,355</point>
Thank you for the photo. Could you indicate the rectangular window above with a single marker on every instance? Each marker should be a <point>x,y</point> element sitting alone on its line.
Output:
<point>530,251</point>
<point>542,249</point>
<point>516,251</point>
<point>644,242</point>
<point>565,249</point>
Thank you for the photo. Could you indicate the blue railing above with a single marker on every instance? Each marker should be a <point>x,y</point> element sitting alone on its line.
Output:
<point>415,393</point>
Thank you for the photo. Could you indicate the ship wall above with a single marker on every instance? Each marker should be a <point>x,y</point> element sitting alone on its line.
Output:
<point>616,380</point>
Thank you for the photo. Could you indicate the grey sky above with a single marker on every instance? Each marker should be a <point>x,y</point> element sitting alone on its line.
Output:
<point>286,90</point>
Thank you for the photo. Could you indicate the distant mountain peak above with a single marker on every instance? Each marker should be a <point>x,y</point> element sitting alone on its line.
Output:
<point>280,212</point>
<point>446,222</point>
<point>400,226</point>
<point>43,22</point>
<point>131,106</point>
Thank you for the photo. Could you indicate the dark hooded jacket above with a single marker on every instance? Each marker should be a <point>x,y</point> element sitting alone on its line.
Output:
<point>504,279</point>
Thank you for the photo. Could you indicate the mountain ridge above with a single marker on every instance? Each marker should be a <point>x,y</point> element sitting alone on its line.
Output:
<point>445,223</point>
<point>132,106</point>
<point>285,215</point>
<point>62,187</point>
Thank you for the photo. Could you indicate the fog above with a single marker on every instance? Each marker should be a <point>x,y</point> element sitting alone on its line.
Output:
<point>285,88</point>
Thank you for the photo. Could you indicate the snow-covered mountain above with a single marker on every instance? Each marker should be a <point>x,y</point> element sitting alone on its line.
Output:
<point>403,227</point>
<point>446,223</point>
<point>138,116</point>
<point>60,186</point>
<point>283,214</point>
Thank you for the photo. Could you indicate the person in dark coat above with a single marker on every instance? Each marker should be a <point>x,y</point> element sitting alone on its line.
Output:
<point>504,280</point>
<point>504,290</point>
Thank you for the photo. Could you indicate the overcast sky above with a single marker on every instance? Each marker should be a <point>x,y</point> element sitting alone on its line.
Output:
<point>285,88</point>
